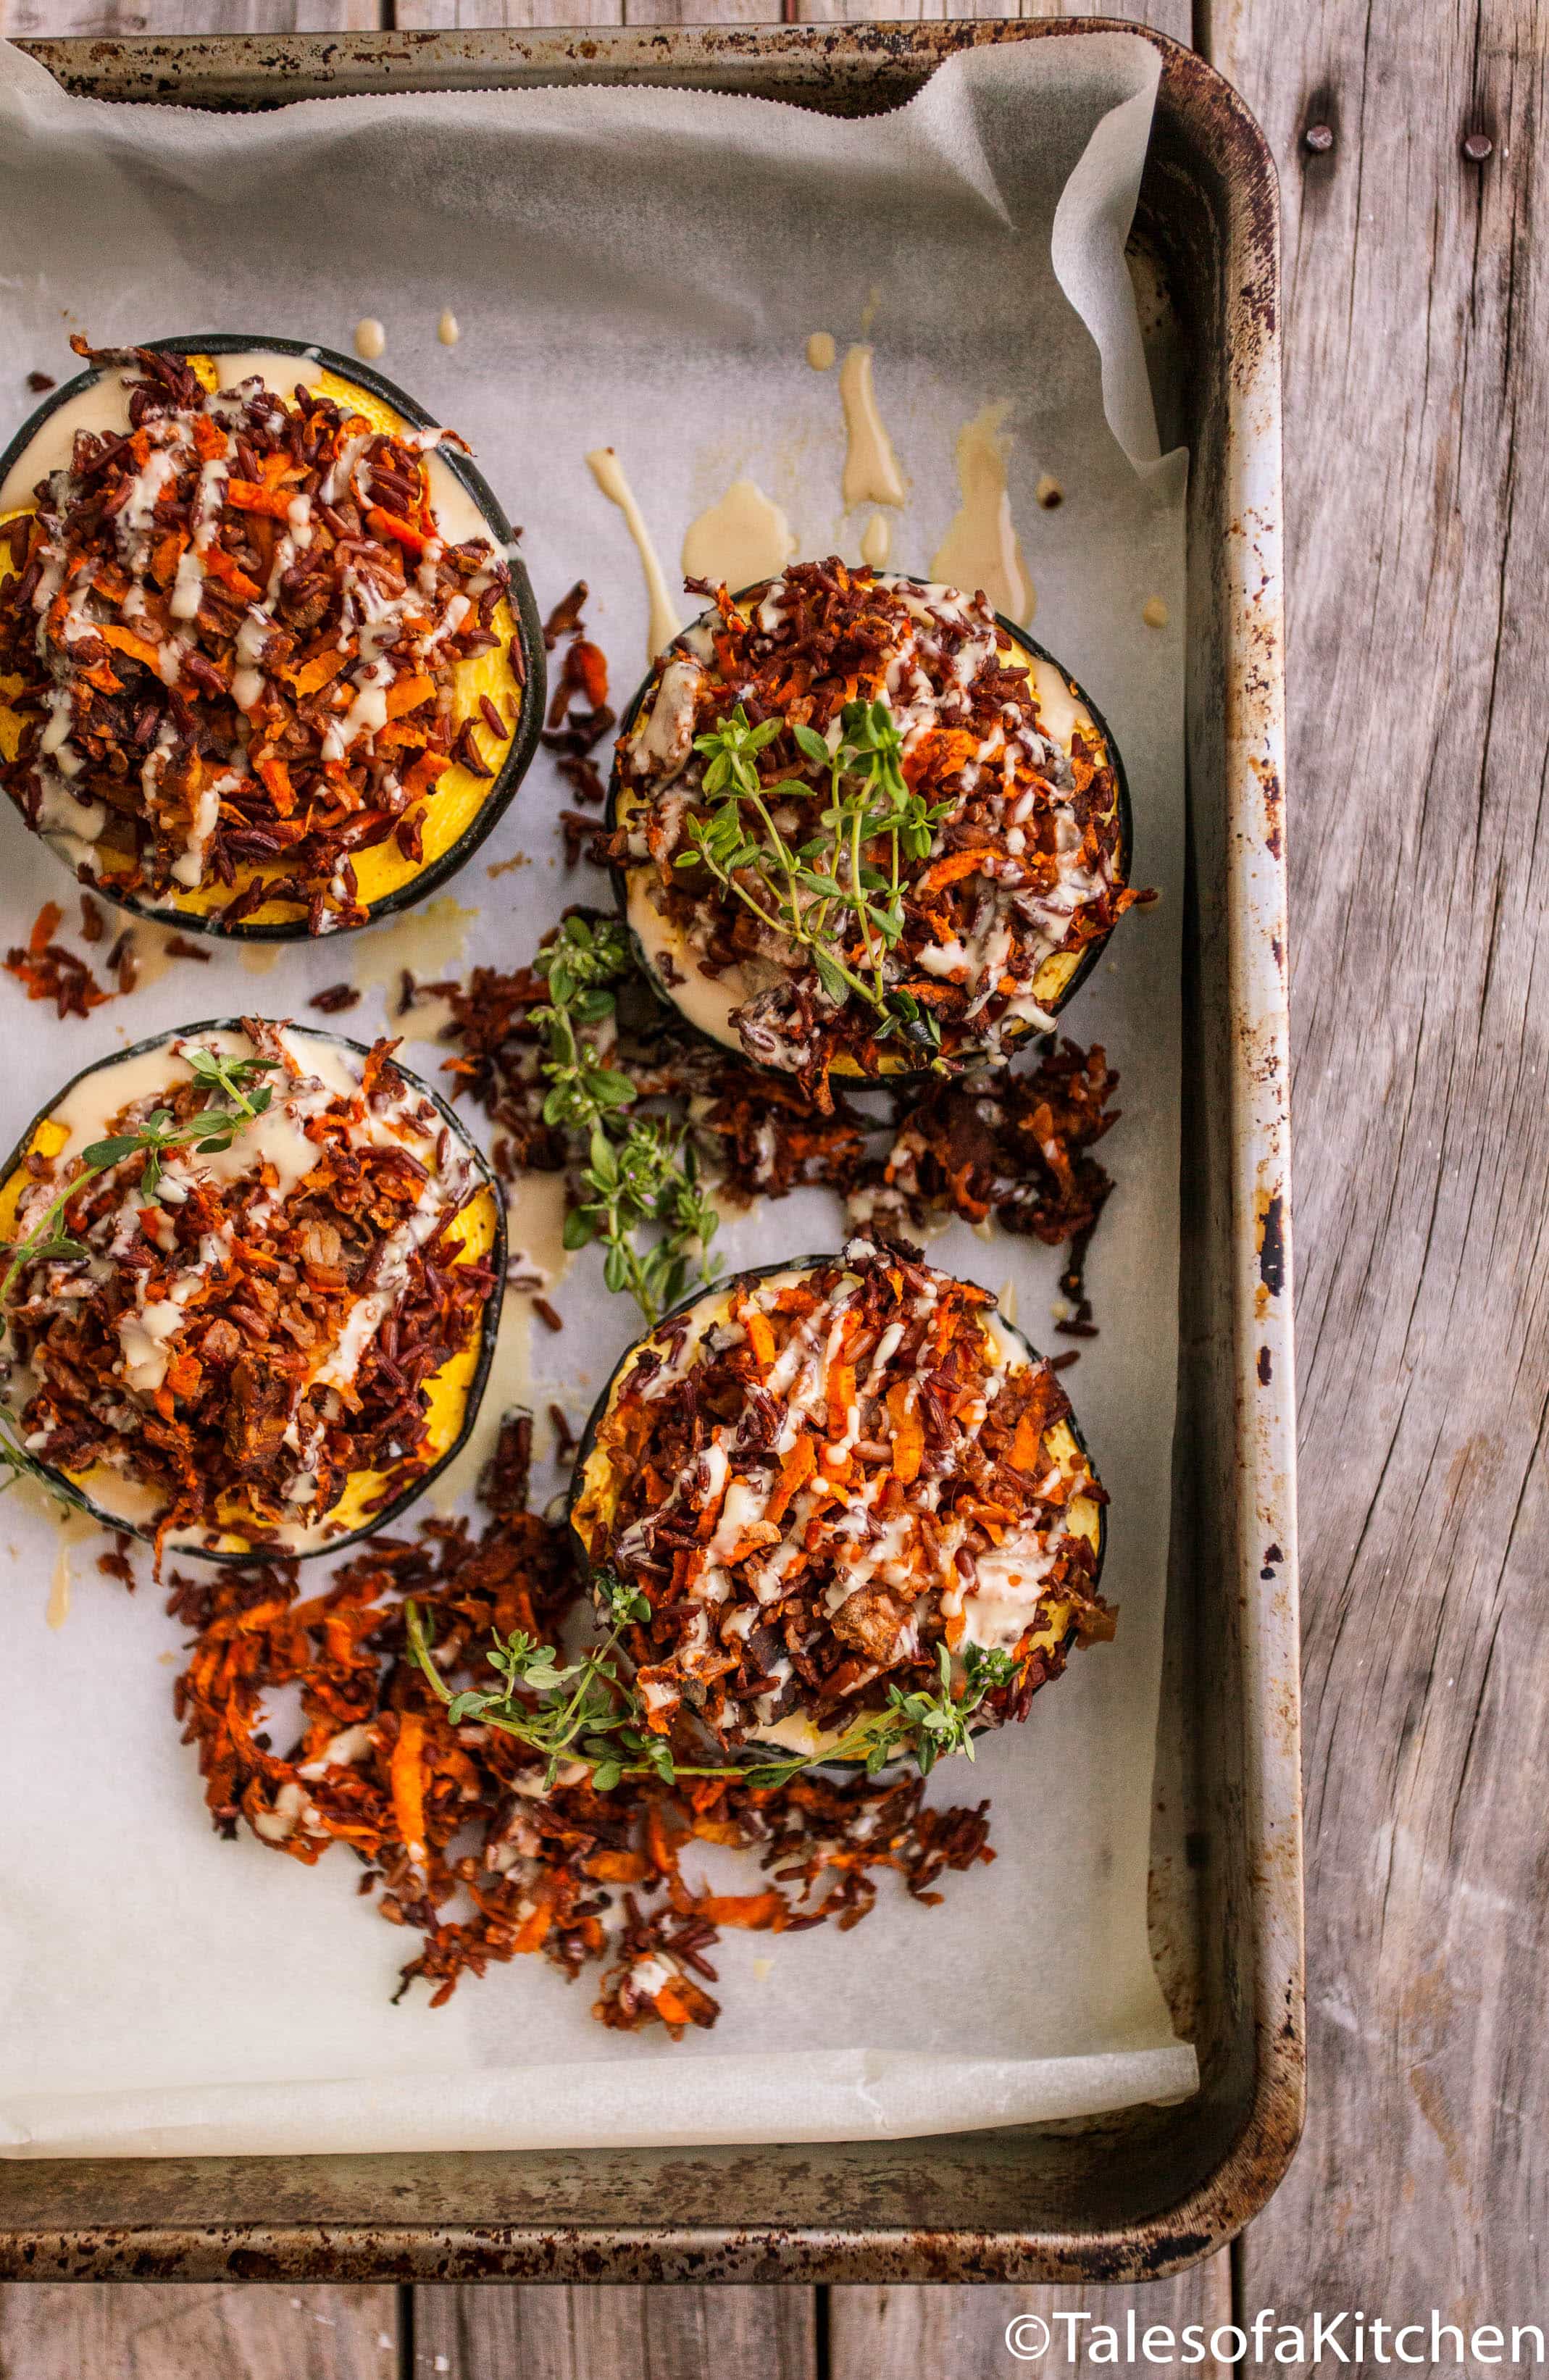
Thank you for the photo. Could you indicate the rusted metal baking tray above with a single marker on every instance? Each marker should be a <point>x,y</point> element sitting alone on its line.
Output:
<point>1146,2191</point>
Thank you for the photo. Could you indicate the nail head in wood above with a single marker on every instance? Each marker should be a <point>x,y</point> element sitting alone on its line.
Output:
<point>1319,139</point>
<point>1477,147</point>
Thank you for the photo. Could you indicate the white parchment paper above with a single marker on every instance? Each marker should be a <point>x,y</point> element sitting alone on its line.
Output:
<point>642,270</point>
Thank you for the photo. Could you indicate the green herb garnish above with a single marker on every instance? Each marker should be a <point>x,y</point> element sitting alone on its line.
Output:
<point>820,895</point>
<point>640,1171</point>
<point>585,1711</point>
<point>214,1128</point>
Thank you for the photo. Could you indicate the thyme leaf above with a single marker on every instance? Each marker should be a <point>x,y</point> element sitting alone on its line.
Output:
<point>213,1128</point>
<point>640,1171</point>
<point>585,1711</point>
<point>826,892</point>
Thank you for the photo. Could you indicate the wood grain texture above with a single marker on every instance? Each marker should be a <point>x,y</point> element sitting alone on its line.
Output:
<point>480,16</point>
<point>470,16</point>
<point>121,2331</point>
<point>615,2334</point>
<point>1417,405</point>
<point>21,19</point>
<point>961,2334</point>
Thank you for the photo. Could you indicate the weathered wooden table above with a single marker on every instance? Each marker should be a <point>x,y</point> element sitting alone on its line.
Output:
<point>1416,405</point>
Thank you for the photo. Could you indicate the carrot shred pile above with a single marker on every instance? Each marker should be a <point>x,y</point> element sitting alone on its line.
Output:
<point>235,628</point>
<point>453,1826</point>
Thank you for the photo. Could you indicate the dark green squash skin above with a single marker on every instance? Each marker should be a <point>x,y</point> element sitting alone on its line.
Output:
<point>530,630</point>
<point>913,1080</point>
<point>722,1288</point>
<point>58,1485</point>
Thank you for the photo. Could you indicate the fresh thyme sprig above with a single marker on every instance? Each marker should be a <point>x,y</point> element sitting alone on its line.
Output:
<point>640,1171</point>
<point>585,1711</point>
<point>213,1129</point>
<point>812,893</point>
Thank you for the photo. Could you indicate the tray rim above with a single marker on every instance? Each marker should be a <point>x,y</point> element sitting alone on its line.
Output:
<point>246,70</point>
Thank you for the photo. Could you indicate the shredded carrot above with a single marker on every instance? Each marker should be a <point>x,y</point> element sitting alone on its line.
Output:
<point>659,1842</point>
<point>909,1438</point>
<point>842,1396</point>
<point>219,564</point>
<point>248,496</point>
<point>168,552</point>
<point>45,925</point>
<point>277,776</point>
<point>426,770</point>
<point>534,1930</point>
<point>138,648</point>
<point>408,694</point>
<point>619,1868</point>
<point>402,532</point>
<point>315,674</point>
<point>761,1338</point>
<point>210,439</point>
<point>946,870</point>
<point>1029,1437</point>
<point>406,1775</point>
<point>755,1911</point>
<point>794,1472</point>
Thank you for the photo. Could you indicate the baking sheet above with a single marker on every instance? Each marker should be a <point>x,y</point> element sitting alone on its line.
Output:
<point>639,269</point>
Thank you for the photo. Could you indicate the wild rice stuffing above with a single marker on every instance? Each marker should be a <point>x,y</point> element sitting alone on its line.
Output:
<point>1020,849</point>
<point>264,1327</point>
<point>234,630</point>
<point>819,1477</point>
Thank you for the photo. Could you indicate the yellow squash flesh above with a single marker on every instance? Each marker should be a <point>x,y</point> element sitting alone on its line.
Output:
<point>447,1391</point>
<point>598,1491</point>
<point>459,795</point>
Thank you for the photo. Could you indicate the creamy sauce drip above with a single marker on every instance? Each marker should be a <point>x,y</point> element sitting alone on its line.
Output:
<point>104,407</point>
<point>275,1139</point>
<point>448,330</point>
<point>871,472</point>
<point>820,351</point>
<point>663,624</point>
<point>72,826</point>
<point>369,339</point>
<point>429,941</point>
<point>708,1002</point>
<point>74,1528</point>
<point>876,543</point>
<point>981,547</point>
<point>739,541</point>
<point>997,1609</point>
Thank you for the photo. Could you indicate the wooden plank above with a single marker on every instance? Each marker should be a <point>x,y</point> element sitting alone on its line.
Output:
<point>130,2331</point>
<point>1167,16</point>
<point>477,16</point>
<point>615,2333</point>
<point>21,19</point>
<point>972,2334</point>
<point>1417,410</point>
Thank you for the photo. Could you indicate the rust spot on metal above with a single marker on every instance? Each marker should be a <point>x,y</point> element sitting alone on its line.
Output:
<point>1269,1232</point>
<point>1264,1367</point>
